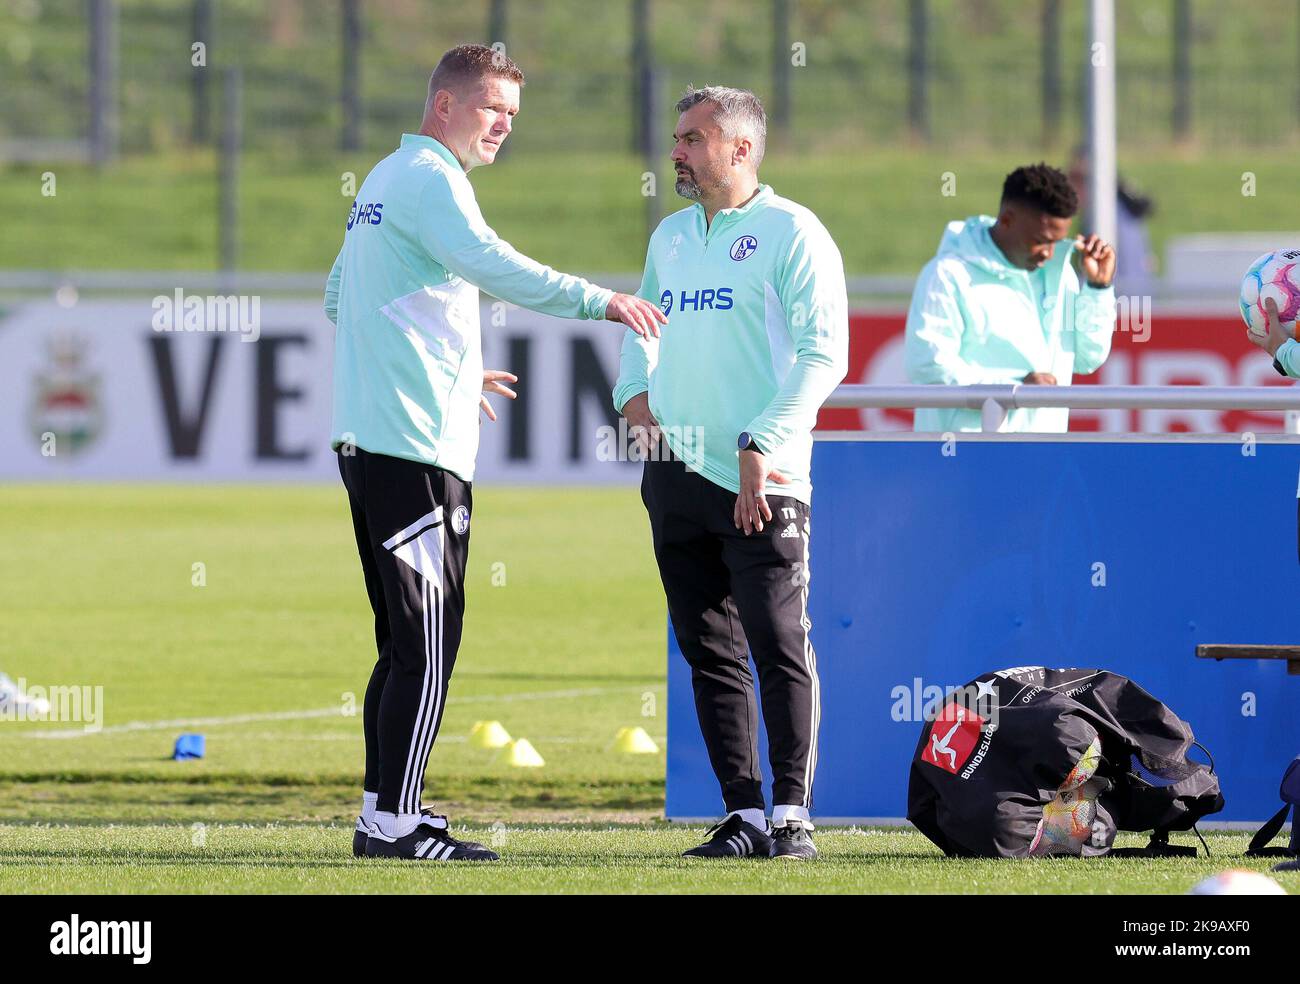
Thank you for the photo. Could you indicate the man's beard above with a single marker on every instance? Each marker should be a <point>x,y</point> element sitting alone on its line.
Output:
<point>688,187</point>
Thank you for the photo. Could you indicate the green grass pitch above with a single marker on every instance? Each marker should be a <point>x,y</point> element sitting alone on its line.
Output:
<point>564,644</point>
<point>886,208</point>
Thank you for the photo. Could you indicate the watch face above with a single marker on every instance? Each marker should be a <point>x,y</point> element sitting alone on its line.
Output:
<point>743,441</point>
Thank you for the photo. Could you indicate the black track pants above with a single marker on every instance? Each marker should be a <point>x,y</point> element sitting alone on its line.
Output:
<point>412,527</point>
<point>729,593</point>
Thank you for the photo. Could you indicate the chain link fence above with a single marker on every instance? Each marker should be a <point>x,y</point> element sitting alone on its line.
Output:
<point>936,73</point>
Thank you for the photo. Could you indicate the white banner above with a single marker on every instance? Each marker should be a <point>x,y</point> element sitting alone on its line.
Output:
<point>120,390</point>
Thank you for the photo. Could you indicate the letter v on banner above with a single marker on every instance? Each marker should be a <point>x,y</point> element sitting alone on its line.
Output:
<point>420,545</point>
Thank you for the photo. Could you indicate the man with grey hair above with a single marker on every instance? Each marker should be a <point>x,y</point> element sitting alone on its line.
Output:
<point>758,339</point>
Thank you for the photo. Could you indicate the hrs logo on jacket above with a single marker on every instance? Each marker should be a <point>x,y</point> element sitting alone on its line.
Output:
<point>953,736</point>
<point>704,299</point>
<point>368,213</point>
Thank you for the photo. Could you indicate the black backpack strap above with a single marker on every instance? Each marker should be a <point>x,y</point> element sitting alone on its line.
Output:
<point>1153,850</point>
<point>1259,843</point>
<point>1207,754</point>
<point>1159,847</point>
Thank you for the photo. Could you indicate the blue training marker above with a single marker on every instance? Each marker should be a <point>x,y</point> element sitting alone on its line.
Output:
<point>189,747</point>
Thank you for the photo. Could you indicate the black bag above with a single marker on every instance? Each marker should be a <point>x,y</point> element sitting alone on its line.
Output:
<point>989,770</point>
<point>1290,793</point>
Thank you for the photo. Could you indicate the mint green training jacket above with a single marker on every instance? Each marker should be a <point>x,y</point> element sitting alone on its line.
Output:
<point>1288,357</point>
<point>977,319</point>
<point>408,360</point>
<point>756,340</point>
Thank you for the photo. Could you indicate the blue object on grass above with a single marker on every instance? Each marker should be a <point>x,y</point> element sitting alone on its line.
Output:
<point>188,747</point>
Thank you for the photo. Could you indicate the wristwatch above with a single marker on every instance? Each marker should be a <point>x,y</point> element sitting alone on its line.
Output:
<point>746,443</point>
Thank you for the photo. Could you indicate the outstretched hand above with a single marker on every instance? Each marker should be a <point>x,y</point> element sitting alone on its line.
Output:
<point>637,313</point>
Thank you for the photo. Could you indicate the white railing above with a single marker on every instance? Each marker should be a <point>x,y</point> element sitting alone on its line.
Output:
<point>311,282</point>
<point>995,402</point>
<point>893,290</point>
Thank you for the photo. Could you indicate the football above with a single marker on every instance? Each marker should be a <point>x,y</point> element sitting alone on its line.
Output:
<point>1274,275</point>
<point>1238,881</point>
<point>1067,820</point>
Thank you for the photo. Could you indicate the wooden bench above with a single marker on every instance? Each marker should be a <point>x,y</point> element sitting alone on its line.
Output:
<point>1221,651</point>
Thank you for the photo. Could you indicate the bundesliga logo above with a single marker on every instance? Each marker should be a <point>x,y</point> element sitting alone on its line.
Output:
<point>952,738</point>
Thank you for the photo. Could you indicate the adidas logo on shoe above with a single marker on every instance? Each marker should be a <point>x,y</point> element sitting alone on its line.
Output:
<point>733,838</point>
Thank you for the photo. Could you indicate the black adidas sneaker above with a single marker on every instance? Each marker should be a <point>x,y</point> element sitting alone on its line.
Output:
<point>429,841</point>
<point>793,840</point>
<point>733,838</point>
<point>359,838</point>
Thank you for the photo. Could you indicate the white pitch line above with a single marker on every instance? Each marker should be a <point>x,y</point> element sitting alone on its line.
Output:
<point>116,729</point>
<point>443,739</point>
<point>318,712</point>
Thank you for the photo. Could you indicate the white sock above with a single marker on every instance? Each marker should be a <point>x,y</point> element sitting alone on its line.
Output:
<point>781,815</point>
<point>395,825</point>
<point>754,817</point>
<point>368,801</point>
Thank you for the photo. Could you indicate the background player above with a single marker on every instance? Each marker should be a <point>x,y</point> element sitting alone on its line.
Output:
<point>999,304</point>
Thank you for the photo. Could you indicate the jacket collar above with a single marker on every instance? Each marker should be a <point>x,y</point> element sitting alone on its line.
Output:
<point>437,146</point>
<point>764,195</point>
